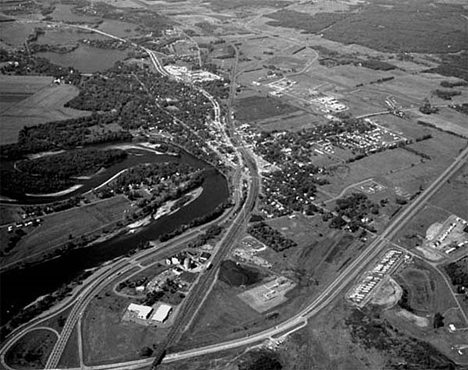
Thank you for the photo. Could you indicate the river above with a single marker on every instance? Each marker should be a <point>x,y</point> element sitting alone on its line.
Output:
<point>20,287</point>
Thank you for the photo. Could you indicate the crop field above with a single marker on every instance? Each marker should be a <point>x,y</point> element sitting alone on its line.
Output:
<point>413,88</point>
<point>448,120</point>
<point>32,350</point>
<point>295,121</point>
<point>253,108</point>
<point>219,5</point>
<point>45,104</point>
<point>66,36</point>
<point>108,339</point>
<point>14,33</point>
<point>287,63</point>
<point>119,28</point>
<point>62,227</point>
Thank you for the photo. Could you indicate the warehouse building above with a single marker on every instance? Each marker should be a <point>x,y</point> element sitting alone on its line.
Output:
<point>139,311</point>
<point>162,313</point>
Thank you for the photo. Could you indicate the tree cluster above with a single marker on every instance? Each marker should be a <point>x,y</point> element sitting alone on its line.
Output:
<point>458,273</point>
<point>271,237</point>
<point>71,163</point>
<point>354,207</point>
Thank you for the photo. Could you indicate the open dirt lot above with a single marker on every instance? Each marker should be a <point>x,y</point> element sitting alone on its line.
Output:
<point>267,295</point>
<point>37,101</point>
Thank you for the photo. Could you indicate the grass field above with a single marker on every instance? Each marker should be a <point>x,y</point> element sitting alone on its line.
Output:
<point>415,231</point>
<point>421,294</point>
<point>63,227</point>
<point>10,214</point>
<point>381,164</point>
<point>42,102</point>
<point>223,315</point>
<point>107,339</point>
<point>70,356</point>
<point>453,195</point>
<point>429,292</point>
<point>32,350</point>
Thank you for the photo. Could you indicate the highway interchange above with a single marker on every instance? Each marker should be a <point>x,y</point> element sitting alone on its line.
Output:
<point>239,215</point>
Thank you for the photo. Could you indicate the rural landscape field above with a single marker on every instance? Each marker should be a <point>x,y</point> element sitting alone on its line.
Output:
<point>232,184</point>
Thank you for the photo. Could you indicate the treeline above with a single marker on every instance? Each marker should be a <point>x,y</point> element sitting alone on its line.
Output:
<point>63,135</point>
<point>72,163</point>
<point>449,85</point>
<point>427,124</point>
<point>458,273</point>
<point>20,183</point>
<point>462,108</point>
<point>212,232</point>
<point>218,211</point>
<point>271,237</point>
<point>446,94</point>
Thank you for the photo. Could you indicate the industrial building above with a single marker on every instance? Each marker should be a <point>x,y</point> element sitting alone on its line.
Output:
<point>139,311</point>
<point>162,313</point>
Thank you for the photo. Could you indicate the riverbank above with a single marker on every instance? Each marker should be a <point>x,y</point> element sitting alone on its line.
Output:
<point>58,193</point>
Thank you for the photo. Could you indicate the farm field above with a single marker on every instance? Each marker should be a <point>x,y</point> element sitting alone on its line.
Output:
<point>295,121</point>
<point>254,108</point>
<point>60,228</point>
<point>42,102</point>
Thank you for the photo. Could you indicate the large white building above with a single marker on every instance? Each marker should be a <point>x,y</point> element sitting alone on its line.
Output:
<point>162,313</point>
<point>141,312</point>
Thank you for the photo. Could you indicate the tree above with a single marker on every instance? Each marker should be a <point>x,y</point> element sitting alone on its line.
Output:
<point>438,320</point>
